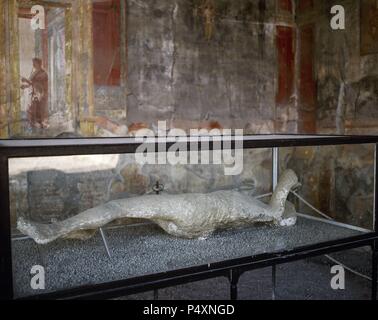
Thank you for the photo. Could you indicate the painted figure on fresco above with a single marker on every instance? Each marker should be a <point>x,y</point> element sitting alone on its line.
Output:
<point>208,12</point>
<point>38,106</point>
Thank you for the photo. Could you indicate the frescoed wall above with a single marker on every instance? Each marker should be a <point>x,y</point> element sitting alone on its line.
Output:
<point>265,66</point>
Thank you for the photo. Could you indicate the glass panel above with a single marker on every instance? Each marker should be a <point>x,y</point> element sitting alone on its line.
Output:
<point>162,217</point>
<point>336,180</point>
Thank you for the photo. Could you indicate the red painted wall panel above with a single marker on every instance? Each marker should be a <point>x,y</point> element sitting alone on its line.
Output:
<point>304,5</point>
<point>106,42</point>
<point>286,5</point>
<point>307,84</point>
<point>286,65</point>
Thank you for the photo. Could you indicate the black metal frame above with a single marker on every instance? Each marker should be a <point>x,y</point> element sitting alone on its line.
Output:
<point>232,269</point>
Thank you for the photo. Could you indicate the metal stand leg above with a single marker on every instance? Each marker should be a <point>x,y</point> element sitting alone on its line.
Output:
<point>105,243</point>
<point>375,244</point>
<point>156,294</point>
<point>274,273</point>
<point>374,273</point>
<point>275,167</point>
<point>234,291</point>
<point>234,279</point>
<point>275,173</point>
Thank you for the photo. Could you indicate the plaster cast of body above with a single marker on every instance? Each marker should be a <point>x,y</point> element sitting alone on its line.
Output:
<point>186,215</point>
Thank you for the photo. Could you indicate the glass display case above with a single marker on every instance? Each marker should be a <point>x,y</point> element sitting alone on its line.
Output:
<point>107,217</point>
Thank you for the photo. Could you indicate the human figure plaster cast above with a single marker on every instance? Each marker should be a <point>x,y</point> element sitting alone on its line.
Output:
<point>192,215</point>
